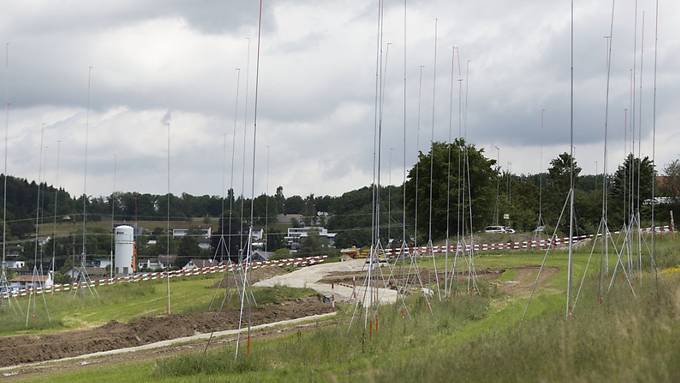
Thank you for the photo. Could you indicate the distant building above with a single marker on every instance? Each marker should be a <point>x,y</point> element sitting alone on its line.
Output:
<point>205,233</point>
<point>296,234</point>
<point>261,256</point>
<point>92,273</point>
<point>15,264</point>
<point>29,281</point>
<point>101,263</point>
<point>150,264</point>
<point>199,264</point>
<point>167,261</point>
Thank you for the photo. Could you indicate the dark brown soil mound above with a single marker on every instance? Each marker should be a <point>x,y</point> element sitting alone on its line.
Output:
<point>16,350</point>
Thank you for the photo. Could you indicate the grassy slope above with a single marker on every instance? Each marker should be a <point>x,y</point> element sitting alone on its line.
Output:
<point>123,302</point>
<point>470,338</point>
<point>104,225</point>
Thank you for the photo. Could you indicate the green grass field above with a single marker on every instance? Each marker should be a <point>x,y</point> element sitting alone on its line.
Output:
<point>123,302</point>
<point>479,338</point>
<point>104,225</point>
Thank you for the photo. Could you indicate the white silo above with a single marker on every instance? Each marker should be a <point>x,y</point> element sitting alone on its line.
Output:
<point>125,242</point>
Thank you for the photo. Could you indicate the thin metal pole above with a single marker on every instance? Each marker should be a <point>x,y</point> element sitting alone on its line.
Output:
<point>87,133</point>
<point>167,223</point>
<point>221,244</point>
<point>420,94</point>
<point>266,206</point>
<point>498,183</point>
<point>639,164</point>
<point>389,196</point>
<point>3,275</point>
<point>56,202</point>
<point>448,176</point>
<point>233,153</point>
<point>605,194</point>
<point>570,262</point>
<point>404,244</point>
<point>656,52</point>
<point>540,174</point>
<point>632,119</point>
<point>434,104</point>
<point>245,133</point>
<point>113,213</point>
<point>252,195</point>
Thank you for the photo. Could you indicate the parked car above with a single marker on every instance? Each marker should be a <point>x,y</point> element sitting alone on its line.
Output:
<point>499,229</point>
<point>494,229</point>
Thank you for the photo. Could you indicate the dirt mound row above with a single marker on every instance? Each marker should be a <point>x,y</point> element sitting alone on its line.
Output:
<point>427,276</point>
<point>114,335</point>
<point>254,276</point>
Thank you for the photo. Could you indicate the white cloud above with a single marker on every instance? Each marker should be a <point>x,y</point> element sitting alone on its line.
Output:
<point>316,91</point>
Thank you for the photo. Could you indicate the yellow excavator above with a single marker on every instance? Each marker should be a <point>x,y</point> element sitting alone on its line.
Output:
<point>355,252</point>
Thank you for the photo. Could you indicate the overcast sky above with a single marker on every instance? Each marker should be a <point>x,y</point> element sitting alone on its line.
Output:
<point>317,79</point>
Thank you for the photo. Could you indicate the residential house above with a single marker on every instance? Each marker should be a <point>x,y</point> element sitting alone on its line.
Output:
<point>92,273</point>
<point>204,233</point>
<point>30,281</point>
<point>261,256</point>
<point>296,234</point>
<point>199,264</point>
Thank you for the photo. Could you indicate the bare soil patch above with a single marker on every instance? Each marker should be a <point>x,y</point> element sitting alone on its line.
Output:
<point>16,350</point>
<point>525,278</point>
<point>427,276</point>
<point>254,276</point>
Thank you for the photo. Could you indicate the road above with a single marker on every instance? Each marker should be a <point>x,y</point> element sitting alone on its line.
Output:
<point>310,276</point>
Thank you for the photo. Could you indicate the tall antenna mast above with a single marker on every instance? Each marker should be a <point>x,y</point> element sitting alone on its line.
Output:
<point>632,119</point>
<point>639,162</point>
<point>266,205</point>
<point>56,202</point>
<point>448,175</point>
<point>233,152</point>
<point>570,261</point>
<point>83,254</point>
<point>243,164</point>
<point>420,97</point>
<point>434,103</point>
<point>540,173</point>
<point>389,195</point>
<point>252,190</point>
<point>37,277</point>
<point>404,244</point>
<point>605,202</point>
<point>3,272</point>
<point>656,54</point>
<point>82,271</point>
<point>166,121</point>
<point>113,212</point>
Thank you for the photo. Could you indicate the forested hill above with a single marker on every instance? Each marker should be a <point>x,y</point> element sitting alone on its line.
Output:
<point>350,213</point>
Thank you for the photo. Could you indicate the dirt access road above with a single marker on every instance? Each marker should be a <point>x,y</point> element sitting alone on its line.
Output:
<point>311,276</point>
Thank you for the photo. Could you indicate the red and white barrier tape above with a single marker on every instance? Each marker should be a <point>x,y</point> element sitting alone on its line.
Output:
<point>298,262</point>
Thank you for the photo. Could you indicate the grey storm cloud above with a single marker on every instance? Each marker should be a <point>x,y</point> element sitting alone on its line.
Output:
<point>316,90</point>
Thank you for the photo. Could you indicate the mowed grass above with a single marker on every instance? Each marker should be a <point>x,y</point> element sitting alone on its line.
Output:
<point>123,302</point>
<point>478,338</point>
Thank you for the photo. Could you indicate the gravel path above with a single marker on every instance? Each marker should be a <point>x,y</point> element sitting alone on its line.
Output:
<point>310,277</point>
